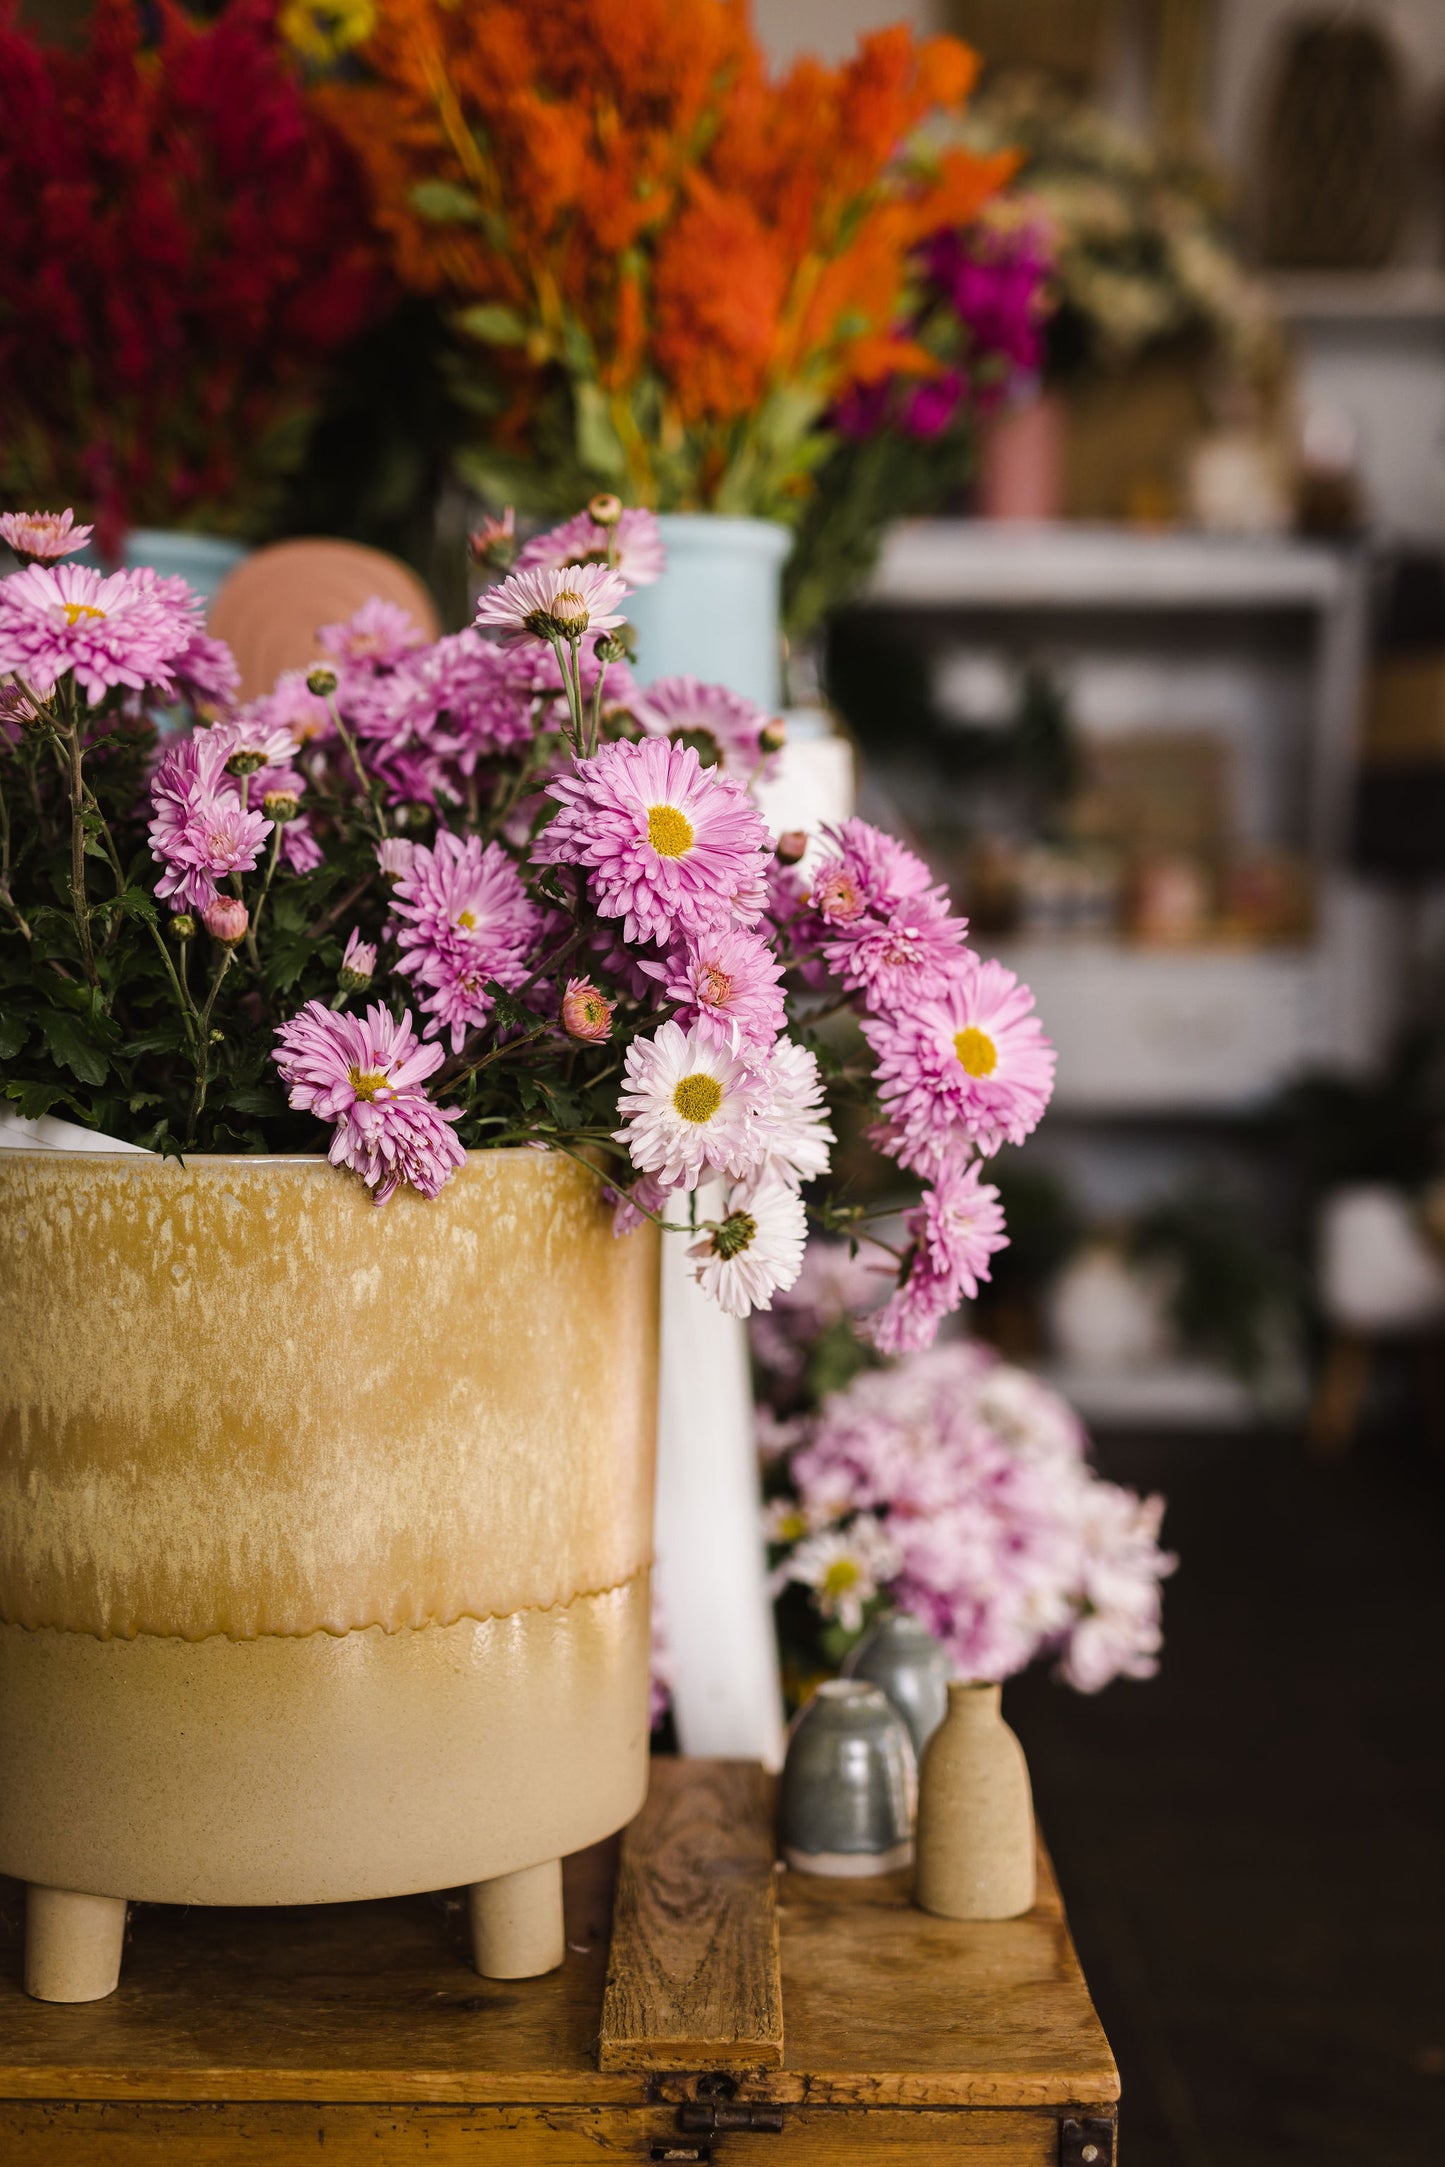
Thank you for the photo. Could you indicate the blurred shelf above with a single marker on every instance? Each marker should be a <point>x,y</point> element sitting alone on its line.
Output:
<point>1412,294</point>
<point>1179,1395</point>
<point>976,563</point>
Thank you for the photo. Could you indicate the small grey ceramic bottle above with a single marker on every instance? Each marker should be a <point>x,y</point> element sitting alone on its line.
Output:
<point>849,1783</point>
<point>902,1656</point>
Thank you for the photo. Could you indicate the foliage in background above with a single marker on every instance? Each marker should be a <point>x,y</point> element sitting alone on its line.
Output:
<point>669,265</point>
<point>1232,1295</point>
<point>184,248</point>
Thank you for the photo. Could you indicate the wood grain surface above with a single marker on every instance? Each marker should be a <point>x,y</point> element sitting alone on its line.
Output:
<point>359,2032</point>
<point>693,1981</point>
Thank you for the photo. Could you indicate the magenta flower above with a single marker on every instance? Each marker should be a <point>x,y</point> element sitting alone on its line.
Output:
<point>467,920</point>
<point>106,632</point>
<point>358,962</point>
<point>670,847</point>
<point>970,1066</point>
<point>729,983</point>
<point>380,635</point>
<point>43,537</point>
<point>871,870</point>
<point>226,919</point>
<point>632,545</point>
<point>365,1075</point>
<point>554,602</point>
<point>726,730</point>
<point>912,954</point>
<point>200,831</point>
<point>956,1230</point>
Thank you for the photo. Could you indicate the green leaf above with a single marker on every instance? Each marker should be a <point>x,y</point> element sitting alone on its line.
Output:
<point>135,903</point>
<point>72,1047</point>
<point>446,204</point>
<point>14,1030</point>
<point>598,446</point>
<point>35,1099</point>
<point>492,323</point>
<point>254,1099</point>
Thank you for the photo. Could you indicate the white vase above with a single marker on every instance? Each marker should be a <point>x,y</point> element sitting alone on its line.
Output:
<point>714,613</point>
<point>1377,1272</point>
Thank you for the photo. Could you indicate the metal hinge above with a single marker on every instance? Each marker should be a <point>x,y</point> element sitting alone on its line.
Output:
<point>709,2116</point>
<point>1086,2143</point>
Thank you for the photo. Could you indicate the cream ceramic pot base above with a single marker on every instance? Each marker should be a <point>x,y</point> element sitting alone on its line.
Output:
<point>326,1768</point>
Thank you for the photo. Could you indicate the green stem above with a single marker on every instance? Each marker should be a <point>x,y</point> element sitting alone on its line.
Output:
<point>572,686</point>
<point>255,925</point>
<point>79,902</point>
<point>512,1045</point>
<point>203,1047</point>
<point>5,896</point>
<point>373,796</point>
<point>667,1225</point>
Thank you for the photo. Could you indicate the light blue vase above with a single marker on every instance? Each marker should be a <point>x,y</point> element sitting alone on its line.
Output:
<point>714,613</point>
<point>202,560</point>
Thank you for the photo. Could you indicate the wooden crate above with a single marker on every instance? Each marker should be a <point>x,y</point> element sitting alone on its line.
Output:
<point>747,2016</point>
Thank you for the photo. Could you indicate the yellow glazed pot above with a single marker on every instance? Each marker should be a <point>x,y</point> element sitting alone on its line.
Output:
<point>325,1533</point>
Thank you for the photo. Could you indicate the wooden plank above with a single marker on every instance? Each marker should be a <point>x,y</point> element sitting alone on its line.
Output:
<point>82,2134</point>
<point>693,1981</point>
<point>887,2006</point>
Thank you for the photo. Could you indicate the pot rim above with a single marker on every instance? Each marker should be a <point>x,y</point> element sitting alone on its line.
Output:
<point>186,1160</point>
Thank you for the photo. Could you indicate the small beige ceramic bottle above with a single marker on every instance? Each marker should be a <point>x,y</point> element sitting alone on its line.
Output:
<point>975,1851</point>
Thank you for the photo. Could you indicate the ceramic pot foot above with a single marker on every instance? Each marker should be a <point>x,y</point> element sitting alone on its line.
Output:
<point>72,1944</point>
<point>517,1922</point>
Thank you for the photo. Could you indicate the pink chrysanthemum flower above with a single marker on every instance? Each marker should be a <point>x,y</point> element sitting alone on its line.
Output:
<point>554,603</point>
<point>394,855</point>
<point>365,1074</point>
<point>957,1228</point>
<point>378,637</point>
<point>294,707</point>
<point>107,632</point>
<point>691,1109</point>
<point>912,954</point>
<point>632,545</point>
<point>972,1065</point>
<point>358,962</point>
<point>43,537</point>
<point>726,730</point>
<point>586,1012</point>
<point>200,831</point>
<point>467,920</point>
<point>876,864</point>
<point>207,673</point>
<point>670,848</point>
<point>729,984</point>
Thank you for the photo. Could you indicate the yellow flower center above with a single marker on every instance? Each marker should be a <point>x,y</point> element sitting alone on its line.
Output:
<point>668,831</point>
<point>841,1575</point>
<point>366,1082</point>
<point>74,611</point>
<point>698,1097</point>
<point>791,1528</point>
<point>467,918</point>
<point>976,1051</point>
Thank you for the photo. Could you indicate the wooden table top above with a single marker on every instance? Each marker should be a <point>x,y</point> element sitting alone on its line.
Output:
<point>866,2001</point>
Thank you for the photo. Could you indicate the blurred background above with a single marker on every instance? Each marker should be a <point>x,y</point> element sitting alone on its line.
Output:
<point>1131,615</point>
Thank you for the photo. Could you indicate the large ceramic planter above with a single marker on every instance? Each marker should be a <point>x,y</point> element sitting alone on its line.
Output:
<point>324,1540</point>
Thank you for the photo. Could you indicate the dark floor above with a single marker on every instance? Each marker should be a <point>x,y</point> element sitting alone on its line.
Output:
<point>1252,1845</point>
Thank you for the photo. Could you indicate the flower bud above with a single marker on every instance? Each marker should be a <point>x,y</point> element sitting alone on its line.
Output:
<point>586,1013</point>
<point>604,510</point>
<point>321,680</point>
<point>245,763</point>
<point>358,963</point>
<point>493,544</point>
<point>226,920</point>
<point>183,926</point>
<point>792,845</point>
<point>282,806</point>
<point>774,735</point>
<point>609,648</point>
<point>394,856</point>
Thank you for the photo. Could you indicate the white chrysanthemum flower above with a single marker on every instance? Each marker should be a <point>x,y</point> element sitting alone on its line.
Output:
<point>845,1567</point>
<point>691,1109</point>
<point>754,1249</point>
<point>794,1117</point>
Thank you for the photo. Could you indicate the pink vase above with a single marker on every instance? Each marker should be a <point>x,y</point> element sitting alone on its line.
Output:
<point>1023,461</point>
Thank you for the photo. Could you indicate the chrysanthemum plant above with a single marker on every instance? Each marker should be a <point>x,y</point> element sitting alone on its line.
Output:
<point>487,891</point>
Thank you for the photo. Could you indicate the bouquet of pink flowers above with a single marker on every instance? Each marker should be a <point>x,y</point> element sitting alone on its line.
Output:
<point>477,892</point>
<point>955,1488</point>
